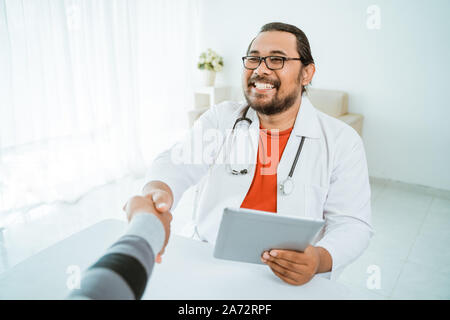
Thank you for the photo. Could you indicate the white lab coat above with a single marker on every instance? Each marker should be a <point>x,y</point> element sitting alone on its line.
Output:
<point>331,179</point>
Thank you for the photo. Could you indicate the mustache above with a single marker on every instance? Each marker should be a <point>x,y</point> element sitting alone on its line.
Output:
<point>274,82</point>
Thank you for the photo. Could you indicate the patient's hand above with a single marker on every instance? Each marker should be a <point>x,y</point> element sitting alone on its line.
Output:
<point>145,204</point>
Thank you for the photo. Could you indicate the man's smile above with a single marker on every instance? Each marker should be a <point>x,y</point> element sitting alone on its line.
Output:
<point>262,87</point>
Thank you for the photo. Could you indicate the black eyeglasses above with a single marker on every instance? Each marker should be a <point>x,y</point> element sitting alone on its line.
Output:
<point>272,62</point>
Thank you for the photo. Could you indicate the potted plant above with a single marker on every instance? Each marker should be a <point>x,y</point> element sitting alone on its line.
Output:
<point>210,62</point>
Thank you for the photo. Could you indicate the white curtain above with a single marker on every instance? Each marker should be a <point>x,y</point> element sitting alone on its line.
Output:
<point>90,91</point>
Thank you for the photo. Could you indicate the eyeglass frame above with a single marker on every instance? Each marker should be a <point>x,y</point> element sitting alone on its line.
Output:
<point>264,58</point>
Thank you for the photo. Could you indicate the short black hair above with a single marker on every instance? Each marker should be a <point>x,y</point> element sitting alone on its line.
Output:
<point>303,47</point>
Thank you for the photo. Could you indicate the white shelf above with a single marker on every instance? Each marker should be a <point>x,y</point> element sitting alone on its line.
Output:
<point>208,96</point>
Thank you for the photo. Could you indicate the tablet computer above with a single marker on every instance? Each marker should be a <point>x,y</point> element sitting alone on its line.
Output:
<point>244,234</point>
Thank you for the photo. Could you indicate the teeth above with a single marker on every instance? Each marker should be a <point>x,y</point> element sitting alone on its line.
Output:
<point>260,85</point>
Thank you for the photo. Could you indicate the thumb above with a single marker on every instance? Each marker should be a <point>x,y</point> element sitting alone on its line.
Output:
<point>162,201</point>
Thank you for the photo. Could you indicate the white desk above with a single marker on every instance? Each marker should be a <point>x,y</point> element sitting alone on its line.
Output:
<point>188,271</point>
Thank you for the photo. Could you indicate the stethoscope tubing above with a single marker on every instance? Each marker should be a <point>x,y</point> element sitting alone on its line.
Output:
<point>297,155</point>
<point>293,166</point>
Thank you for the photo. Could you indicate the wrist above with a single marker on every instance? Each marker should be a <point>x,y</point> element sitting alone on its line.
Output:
<point>325,260</point>
<point>317,253</point>
<point>149,227</point>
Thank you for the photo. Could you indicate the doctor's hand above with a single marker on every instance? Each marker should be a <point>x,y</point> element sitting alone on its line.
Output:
<point>160,194</point>
<point>296,267</point>
<point>139,204</point>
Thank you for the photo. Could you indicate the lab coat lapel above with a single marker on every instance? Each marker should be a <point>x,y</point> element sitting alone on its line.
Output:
<point>254,132</point>
<point>247,179</point>
<point>307,125</point>
<point>238,185</point>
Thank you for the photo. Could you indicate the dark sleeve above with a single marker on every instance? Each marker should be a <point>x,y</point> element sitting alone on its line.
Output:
<point>123,271</point>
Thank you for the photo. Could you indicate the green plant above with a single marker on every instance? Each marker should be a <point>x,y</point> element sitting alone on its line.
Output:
<point>210,60</point>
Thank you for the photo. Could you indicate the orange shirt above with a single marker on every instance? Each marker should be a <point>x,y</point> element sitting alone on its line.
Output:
<point>262,194</point>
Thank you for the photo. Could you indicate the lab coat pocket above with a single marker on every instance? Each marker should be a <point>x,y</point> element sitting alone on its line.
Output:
<point>315,198</point>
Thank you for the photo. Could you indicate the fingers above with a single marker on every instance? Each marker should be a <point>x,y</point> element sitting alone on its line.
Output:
<point>161,200</point>
<point>299,268</point>
<point>138,203</point>
<point>287,270</point>
<point>285,279</point>
<point>292,276</point>
<point>276,268</point>
<point>158,200</point>
<point>296,257</point>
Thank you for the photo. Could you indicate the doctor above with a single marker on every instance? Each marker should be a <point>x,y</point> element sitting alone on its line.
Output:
<point>301,161</point>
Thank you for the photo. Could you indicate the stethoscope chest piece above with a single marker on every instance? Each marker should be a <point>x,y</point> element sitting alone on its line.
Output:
<point>287,186</point>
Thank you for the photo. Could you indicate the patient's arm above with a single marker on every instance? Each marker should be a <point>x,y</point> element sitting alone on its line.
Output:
<point>123,271</point>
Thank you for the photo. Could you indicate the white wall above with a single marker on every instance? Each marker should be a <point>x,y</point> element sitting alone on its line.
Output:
<point>397,76</point>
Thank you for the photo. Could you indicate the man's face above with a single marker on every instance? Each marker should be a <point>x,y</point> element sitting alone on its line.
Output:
<point>286,81</point>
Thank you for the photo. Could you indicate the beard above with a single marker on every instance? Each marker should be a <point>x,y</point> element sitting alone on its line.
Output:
<point>276,104</point>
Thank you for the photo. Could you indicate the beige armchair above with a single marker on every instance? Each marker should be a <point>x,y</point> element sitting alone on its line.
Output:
<point>335,104</point>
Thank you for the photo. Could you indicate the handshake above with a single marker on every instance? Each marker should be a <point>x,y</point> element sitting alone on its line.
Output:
<point>157,199</point>
<point>291,266</point>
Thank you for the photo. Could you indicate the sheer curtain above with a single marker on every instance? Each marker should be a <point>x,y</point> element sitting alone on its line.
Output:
<point>90,91</point>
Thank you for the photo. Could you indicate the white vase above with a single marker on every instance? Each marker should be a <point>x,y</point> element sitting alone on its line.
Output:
<point>209,78</point>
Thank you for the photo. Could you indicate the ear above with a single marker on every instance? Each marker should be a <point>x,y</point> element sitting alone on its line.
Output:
<point>308,73</point>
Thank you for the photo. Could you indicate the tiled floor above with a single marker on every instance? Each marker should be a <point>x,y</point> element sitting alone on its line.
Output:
<point>409,250</point>
<point>410,245</point>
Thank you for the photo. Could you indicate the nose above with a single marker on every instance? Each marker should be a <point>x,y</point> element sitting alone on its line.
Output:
<point>262,68</point>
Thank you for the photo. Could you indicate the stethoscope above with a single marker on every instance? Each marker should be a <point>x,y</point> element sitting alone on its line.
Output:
<point>287,186</point>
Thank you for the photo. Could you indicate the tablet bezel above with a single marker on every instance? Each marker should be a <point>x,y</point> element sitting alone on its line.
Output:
<point>259,226</point>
